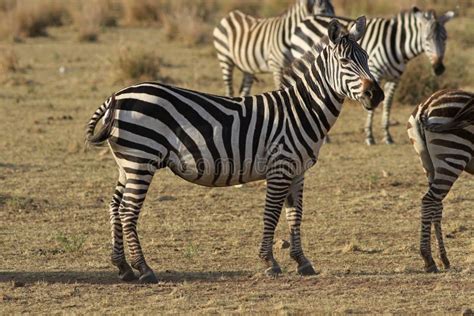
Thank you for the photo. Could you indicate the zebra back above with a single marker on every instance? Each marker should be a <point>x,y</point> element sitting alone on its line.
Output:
<point>447,110</point>
<point>250,43</point>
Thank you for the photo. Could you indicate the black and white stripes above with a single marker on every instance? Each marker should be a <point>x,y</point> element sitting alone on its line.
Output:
<point>259,45</point>
<point>219,141</point>
<point>391,44</point>
<point>442,132</point>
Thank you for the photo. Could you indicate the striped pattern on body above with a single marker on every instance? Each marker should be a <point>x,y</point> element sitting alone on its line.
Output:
<point>258,45</point>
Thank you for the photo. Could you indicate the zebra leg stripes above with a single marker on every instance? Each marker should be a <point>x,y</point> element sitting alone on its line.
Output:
<point>389,90</point>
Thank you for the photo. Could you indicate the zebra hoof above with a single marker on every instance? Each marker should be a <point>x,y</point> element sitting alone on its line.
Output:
<point>148,278</point>
<point>273,271</point>
<point>127,275</point>
<point>431,268</point>
<point>370,141</point>
<point>446,262</point>
<point>306,269</point>
<point>389,141</point>
<point>238,186</point>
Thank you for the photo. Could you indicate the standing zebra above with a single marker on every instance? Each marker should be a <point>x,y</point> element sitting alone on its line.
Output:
<point>220,141</point>
<point>257,45</point>
<point>391,44</point>
<point>442,132</point>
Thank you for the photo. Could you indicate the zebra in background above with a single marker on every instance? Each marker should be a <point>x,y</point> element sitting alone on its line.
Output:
<point>220,141</point>
<point>391,43</point>
<point>442,132</point>
<point>256,45</point>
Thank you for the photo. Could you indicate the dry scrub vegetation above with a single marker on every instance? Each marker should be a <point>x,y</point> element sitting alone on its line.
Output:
<point>136,65</point>
<point>361,218</point>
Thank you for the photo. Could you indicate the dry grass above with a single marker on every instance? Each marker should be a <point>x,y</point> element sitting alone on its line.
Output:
<point>8,61</point>
<point>137,65</point>
<point>143,12</point>
<point>193,32</point>
<point>31,19</point>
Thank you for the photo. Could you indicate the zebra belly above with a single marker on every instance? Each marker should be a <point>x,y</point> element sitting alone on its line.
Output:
<point>218,173</point>
<point>216,166</point>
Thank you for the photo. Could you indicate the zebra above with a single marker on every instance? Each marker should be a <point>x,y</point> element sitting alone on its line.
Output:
<point>391,43</point>
<point>442,132</point>
<point>220,141</point>
<point>256,45</point>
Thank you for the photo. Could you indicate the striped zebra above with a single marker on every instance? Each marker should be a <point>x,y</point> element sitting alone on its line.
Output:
<point>391,43</point>
<point>442,132</point>
<point>256,45</point>
<point>220,141</point>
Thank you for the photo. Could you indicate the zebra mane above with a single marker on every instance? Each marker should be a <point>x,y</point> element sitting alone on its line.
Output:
<point>298,67</point>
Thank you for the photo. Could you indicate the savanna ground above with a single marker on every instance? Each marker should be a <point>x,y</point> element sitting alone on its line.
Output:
<point>361,218</point>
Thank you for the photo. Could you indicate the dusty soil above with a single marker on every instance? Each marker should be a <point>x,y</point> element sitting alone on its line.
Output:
<point>360,226</point>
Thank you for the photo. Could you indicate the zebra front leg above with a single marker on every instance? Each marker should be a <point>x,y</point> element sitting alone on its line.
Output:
<point>134,195</point>
<point>294,214</point>
<point>118,254</point>
<point>369,136</point>
<point>246,85</point>
<point>277,190</point>
<point>389,90</point>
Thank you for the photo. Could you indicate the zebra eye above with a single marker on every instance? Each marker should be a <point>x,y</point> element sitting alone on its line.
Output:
<point>344,61</point>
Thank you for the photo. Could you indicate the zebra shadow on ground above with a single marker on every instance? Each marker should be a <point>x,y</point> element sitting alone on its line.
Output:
<point>21,278</point>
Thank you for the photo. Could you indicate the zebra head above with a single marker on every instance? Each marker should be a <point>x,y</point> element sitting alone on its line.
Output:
<point>347,65</point>
<point>319,7</point>
<point>433,36</point>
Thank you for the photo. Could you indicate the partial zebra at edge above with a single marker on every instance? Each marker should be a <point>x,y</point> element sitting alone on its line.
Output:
<point>441,130</point>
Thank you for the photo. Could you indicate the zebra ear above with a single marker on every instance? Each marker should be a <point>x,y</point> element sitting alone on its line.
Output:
<point>309,5</point>
<point>415,9</point>
<point>446,17</point>
<point>334,31</point>
<point>417,12</point>
<point>358,29</point>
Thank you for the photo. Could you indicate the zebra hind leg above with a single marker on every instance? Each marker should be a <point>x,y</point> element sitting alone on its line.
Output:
<point>439,236</point>
<point>277,190</point>
<point>429,208</point>
<point>294,214</point>
<point>246,85</point>
<point>139,178</point>
<point>118,254</point>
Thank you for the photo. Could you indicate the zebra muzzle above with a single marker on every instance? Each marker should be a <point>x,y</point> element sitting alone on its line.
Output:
<point>372,94</point>
<point>438,68</point>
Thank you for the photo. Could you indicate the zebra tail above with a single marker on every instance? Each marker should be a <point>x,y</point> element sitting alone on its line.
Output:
<point>463,118</point>
<point>104,133</point>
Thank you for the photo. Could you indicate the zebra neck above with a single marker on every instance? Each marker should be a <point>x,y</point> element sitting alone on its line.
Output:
<point>408,34</point>
<point>315,97</point>
<point>293,16</point>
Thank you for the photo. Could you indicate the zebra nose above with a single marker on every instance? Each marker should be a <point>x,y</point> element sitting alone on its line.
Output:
<point>367,84</point>
<point>368,94</point>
